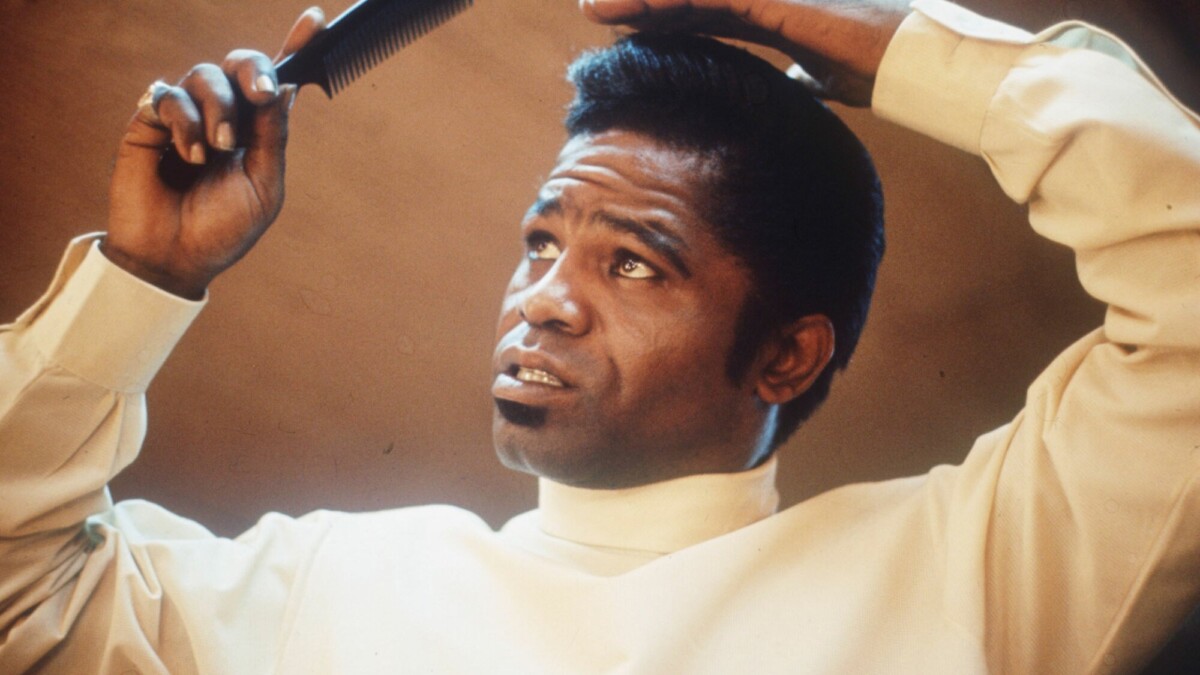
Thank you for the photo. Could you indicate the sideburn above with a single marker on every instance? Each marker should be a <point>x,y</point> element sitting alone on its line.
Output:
<point>755,322</point>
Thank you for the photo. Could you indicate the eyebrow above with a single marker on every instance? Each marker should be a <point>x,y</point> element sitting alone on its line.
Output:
<point>654,234</point>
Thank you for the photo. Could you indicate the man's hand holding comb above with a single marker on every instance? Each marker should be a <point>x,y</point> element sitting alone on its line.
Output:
<point>181,240</point>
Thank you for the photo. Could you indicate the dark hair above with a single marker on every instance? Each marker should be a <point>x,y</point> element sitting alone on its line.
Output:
<point>794,196</point>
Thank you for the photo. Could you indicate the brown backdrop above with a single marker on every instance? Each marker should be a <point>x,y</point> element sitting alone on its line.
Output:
<point>344,363</point>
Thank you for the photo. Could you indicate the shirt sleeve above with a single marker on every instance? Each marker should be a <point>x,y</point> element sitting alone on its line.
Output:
<point>89,587</point>
<point>76,367</point>
<point>1072,535</point>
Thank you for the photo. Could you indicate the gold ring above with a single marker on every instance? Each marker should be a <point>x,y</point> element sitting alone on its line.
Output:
<point>147,105</point>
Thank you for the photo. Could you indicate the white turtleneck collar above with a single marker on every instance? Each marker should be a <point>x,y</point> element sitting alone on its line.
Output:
<point>661,517</point>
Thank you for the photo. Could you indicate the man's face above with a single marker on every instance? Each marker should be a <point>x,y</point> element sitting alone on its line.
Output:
<point>613,336</point>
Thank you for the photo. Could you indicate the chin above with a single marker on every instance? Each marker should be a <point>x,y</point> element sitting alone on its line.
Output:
<point>546,452</point>
<point>516,439</point>
<point>582,467</point>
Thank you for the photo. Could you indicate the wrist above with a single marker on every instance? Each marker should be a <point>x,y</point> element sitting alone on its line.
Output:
<point>155,275</point>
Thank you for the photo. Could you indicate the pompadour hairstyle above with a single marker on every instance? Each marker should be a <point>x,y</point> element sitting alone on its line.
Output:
<point>794,196</point>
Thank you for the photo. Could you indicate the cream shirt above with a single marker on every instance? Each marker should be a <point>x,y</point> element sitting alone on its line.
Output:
<point>1068,541</point>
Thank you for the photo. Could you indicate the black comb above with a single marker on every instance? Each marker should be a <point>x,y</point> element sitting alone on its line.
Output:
<point>353,43</point>
<point>361,37</point>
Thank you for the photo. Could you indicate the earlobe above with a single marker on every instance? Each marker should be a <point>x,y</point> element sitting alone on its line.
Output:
<point>795,358</point>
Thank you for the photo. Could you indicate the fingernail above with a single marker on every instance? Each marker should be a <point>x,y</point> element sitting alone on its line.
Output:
<point>196,153</point>
<point>225,136</point>
<point>265,83</point>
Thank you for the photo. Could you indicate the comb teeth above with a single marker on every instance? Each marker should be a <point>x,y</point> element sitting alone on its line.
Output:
<point>394,28</point>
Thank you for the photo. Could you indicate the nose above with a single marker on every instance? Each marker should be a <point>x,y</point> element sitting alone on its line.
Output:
<point>555,301</point>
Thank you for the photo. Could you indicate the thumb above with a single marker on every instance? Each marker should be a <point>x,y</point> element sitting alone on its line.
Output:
<point>307,26</point>
<point>812,84</point>
<point>834,84</point>
<point>264,159</point>
<point>608,12</point>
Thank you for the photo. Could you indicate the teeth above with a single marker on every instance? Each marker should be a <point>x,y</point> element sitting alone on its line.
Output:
<point>538,376</point>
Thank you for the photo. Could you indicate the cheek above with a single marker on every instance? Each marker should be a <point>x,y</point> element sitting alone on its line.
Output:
<point>509,315</point>
<point>676,353</point>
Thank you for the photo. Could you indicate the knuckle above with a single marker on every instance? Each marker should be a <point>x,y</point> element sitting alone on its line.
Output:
<point>208,86</point>
<point>203,72</point>
<point>168,96</point>
<point>171,102</point>
<point>240,58</point>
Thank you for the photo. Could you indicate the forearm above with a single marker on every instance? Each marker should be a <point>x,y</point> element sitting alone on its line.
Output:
<point>1100,152</point>
<point>1105,158</point>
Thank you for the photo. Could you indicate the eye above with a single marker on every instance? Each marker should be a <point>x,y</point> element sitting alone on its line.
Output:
<point>541,246</point>
<point>630,266</point>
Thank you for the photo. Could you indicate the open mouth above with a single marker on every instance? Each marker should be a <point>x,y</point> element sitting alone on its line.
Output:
<point>524,393</point>
<point>535,376</point>
<point>520,414</point>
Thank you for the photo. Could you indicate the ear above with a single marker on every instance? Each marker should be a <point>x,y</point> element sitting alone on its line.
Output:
<point>792,360</point>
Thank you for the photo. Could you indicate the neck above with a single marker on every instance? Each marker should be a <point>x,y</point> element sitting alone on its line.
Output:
<point>660,517</point>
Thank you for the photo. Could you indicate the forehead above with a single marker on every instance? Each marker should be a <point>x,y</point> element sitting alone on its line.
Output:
<point>624,170</point>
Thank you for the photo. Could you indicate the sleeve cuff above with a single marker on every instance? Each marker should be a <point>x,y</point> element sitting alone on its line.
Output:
<point>941,70</point>
<point>105,325</point>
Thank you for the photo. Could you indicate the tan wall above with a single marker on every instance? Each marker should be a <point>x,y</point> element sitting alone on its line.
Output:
<point>344,363</point>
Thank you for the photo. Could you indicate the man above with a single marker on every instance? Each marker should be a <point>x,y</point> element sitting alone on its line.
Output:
<point>1067,542</point>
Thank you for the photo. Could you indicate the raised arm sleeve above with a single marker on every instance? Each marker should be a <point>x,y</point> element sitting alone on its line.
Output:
<point>86,586</point>
<point>1073,539</point>
<point>72,407</point>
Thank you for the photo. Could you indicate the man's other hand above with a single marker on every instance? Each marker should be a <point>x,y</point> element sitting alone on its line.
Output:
<point>838,43</point>
<point>181,240</point>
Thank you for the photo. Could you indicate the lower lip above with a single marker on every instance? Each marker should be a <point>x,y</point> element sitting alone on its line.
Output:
<point>510,388</point>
